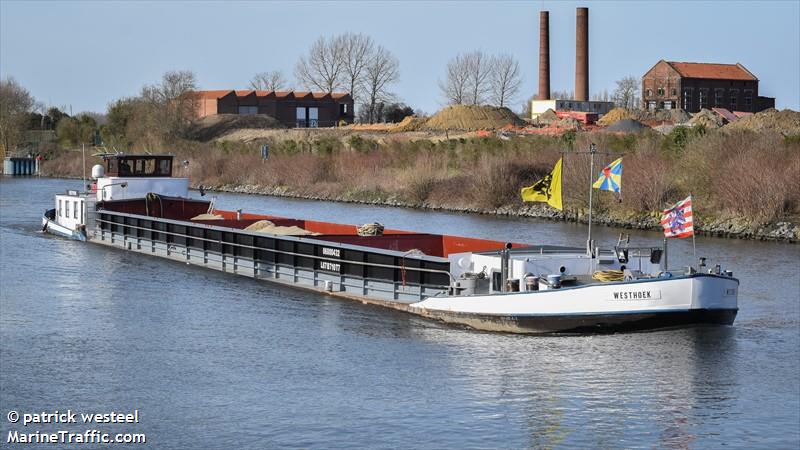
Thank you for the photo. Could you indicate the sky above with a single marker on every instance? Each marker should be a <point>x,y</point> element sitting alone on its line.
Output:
<point>85,54</point>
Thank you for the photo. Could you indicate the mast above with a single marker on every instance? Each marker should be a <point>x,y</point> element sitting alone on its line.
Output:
<point>592,151</point>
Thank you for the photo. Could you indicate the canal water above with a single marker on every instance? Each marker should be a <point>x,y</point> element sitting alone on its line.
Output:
<point>211,360</point>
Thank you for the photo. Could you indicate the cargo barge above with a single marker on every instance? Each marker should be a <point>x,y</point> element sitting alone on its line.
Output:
<point>136,205</point>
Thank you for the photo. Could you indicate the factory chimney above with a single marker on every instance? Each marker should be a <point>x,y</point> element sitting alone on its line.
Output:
<point>582,55</point>
<point>544,55</point>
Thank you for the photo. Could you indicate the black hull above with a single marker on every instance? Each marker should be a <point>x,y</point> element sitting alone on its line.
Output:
<point>589,324</point>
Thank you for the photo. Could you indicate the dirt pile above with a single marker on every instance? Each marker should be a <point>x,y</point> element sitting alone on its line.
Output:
<point>267,227</point>
<point>547,117</point>
<point>409,123</point>
<point>675,116</point>
<point>706,118</point>
<point>569,123</point>
<point>215,126</point>
<point>627,126</point>
<point>472,117</point>
<point>786,122</point>
<point>615,115</point>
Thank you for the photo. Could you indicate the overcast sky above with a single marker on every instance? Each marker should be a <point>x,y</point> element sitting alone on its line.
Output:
<point>84,55</point>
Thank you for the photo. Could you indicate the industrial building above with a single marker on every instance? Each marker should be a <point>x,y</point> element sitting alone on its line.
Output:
<point>581,102</point>
<point>291,108</point>
<point>694,86</point>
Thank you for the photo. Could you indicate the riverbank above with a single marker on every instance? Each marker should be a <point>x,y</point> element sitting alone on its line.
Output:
<point>744,183</point>
<point>728,227</point>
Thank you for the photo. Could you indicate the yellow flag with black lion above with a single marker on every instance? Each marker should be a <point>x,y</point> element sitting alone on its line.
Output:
<point>547,190</point>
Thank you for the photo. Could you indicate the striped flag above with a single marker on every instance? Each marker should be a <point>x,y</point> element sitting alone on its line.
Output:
<point>677,221</point>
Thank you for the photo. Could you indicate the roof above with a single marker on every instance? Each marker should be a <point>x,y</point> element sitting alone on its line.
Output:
<point>712,71</point>
<point>217,94</point>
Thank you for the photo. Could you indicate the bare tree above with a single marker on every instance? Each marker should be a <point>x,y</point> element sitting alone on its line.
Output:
<point>15,104</point>
<point>454,87</point>
<point>358,51</point>
<point>171,105</point>
<point>323,68</point>
<point>505,80</point>
<point>562,95</point>
<point>268,81</point>
<point>381,70</point>
<point>625,95</point>
<point>479,76</point>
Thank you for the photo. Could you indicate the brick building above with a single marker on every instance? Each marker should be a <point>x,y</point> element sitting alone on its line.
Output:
<point>292,108</point>
<point>693,86</point>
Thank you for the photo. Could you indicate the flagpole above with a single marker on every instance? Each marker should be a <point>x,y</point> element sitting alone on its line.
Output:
<point>592,151</point>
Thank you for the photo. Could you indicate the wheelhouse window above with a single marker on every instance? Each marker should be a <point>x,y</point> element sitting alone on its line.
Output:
<point>75,209</point>
<point>60,211</point>
<point>66,208</point>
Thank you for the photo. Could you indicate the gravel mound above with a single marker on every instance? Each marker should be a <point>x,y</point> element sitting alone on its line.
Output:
<point>675,116</point>
<point>786,122</point>
<point>473,117</point>
<point>547,117</point>
<point>212,127</point>
<point>615,115</point>
<point>707,118</point>
<point>627,126</point>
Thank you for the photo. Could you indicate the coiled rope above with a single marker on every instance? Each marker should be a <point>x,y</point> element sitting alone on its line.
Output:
<point>606,276</point>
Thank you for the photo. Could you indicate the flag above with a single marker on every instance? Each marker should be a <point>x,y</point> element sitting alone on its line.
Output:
<point>610,178</point>
<point>548,189</point>
<point>677,220</point>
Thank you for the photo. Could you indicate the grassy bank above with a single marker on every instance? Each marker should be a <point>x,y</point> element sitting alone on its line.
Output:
<point>742,180</point>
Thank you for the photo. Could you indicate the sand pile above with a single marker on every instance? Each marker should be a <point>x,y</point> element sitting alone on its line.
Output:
<point>706,118</point>
<point>786,122</point>
<point>212,127</point>
<point>674,116</point>
<point>409,123</point>
<point>267,227</point>
<point>570,123</point>
<point>207,217</point>
<point>627,126</point>
<point>548,117</point>
<point>472,117</point>
<point>615,115</point>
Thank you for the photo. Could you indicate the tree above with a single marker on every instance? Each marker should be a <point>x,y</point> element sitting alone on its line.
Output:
<point>454,87</point>
<point>268,81</point>
<point>323,68</point>
<point>15,104</point>
<point>479,76</point>
<point>358,51</point>
<point>625,95</point>
<point>74,131</point>
<point>396,112</point>
<point>505,80</point>
<point>381,70</point>
<point>171,103</point>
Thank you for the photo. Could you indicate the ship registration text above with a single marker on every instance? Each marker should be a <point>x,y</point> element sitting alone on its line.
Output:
<point>636,295</point>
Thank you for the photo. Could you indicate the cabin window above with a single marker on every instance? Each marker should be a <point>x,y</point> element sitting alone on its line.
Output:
<point>82,212</point>
<point>149,166</point>
<point>60,212</point>
<point>66,208</point>
<point>165,167</point>
<point>75,210</point>
<point>111,165</point>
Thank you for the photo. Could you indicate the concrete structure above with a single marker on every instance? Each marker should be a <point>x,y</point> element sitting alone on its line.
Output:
<point>694,86</point>
<point>544,55</point>
<point>292,108</point>
<point>20,166</point>
<point>582,54</point>
<point>540,106</point>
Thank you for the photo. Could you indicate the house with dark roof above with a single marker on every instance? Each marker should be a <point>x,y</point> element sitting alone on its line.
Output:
<point>291,108</point>
<point>694,86</point>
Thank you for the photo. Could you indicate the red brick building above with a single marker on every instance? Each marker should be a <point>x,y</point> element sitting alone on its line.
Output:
<point>292,108</point>
<point>693,86</point>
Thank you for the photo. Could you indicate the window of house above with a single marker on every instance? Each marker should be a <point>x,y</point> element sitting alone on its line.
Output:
<point>673,92</point>
<point>301,117</point>
<point>718,95</point>
<point>748,97</point>
<point>660,92</point>
<point>651,105</point>
<point>667,105</point>
<point>703,98</point>
<point>649,92</point>
<point>248,110</point>
<point>734,98</point>
<point>313,117</point>
<point>687,99</point>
